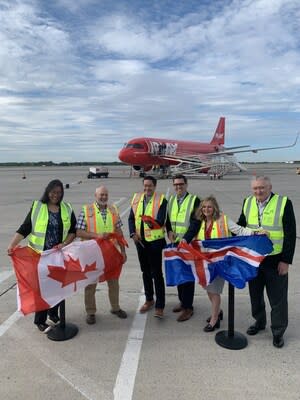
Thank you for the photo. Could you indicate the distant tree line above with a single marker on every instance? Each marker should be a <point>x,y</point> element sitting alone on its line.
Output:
<point>61,164</point>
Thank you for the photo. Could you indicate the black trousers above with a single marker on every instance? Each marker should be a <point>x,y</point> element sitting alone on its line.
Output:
<point>186,294</point>
<point>150,258</point>
<point>277,291</point>
<point>41,316</point>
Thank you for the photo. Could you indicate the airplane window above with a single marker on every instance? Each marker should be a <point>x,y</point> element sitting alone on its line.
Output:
<point>134,146</point>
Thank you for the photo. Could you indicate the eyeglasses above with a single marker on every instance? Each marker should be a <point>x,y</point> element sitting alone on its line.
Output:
<point>179,184</point>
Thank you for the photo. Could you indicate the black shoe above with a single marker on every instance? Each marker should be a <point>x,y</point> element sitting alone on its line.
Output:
<point>278,341</point>
<point>90,319</point>
<point>220,316</point>
<point>254,329</point>
<point>45,328</point>
<point>120,313</point>
<point>211,328</point>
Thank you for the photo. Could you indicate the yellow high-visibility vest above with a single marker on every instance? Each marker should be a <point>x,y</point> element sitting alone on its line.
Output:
<point>95,222</point>
<point>151,210</point>
<point>39,223</point>
<point>219,229</point>
<point>271,219</point>
<point>180,217</point>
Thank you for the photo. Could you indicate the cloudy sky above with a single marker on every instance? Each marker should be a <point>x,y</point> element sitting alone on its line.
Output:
<point>78,78</point>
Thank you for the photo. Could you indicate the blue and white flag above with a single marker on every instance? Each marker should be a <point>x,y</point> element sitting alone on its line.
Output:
<point>236,259</point>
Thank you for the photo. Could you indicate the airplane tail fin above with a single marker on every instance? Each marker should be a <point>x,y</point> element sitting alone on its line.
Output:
<point>219,136</point>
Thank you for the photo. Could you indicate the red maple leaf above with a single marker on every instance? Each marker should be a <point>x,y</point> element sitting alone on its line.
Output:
<point>72,272</point>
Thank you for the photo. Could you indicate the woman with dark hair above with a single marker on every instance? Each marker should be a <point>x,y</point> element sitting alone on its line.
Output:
<point>51,185</point>
<point>50,223</point>
<point>215,224</point>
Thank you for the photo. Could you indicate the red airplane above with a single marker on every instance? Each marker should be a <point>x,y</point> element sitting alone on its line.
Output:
<point>146,153</point>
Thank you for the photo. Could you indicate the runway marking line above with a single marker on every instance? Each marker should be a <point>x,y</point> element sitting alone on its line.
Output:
<point>125,381</point>
<point>9,322</point>
<point>124,384</point>
<point>5,275</point>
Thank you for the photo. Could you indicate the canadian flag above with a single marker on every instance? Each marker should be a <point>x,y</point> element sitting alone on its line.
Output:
<point>46,279</point>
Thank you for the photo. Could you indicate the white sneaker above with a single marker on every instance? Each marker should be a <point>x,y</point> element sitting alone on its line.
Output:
<point>53,320</point>
<point>45,328</point>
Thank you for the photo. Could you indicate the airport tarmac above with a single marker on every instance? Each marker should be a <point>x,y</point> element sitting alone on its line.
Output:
<point>141,358</point>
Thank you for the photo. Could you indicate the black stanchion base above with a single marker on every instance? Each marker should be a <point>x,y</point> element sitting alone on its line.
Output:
<point>235,342</point>
<point>59,334</point>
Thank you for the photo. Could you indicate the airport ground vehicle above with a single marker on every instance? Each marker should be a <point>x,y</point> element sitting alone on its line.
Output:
<point>97,172</point>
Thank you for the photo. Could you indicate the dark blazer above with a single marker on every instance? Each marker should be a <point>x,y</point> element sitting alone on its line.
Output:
<point>289,231</point>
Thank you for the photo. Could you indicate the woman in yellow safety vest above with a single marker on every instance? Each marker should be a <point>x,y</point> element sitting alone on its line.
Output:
<point>50,223</point>
<point>215,224</point>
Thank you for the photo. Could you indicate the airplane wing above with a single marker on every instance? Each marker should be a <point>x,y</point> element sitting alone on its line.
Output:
<point>236,147</point>
<point>229,151</point>
<point>250,150</point>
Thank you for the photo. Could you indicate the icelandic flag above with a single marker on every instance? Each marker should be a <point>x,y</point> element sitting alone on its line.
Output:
<point>46,279</point>
<point>236,259</point>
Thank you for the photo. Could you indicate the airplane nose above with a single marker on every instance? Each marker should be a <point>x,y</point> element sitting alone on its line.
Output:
<point>122,155</point>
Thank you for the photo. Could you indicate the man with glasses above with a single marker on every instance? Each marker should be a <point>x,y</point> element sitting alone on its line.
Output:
<point>273,213</point>
<point>148,235</point>
<point>181,208</point>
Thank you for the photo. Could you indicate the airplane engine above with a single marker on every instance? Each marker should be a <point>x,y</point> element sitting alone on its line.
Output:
<point>136,167</point>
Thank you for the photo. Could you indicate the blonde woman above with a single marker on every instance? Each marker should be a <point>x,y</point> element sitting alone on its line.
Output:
<point>215,224</point>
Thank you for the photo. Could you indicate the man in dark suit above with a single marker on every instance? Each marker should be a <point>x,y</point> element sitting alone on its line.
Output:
<point>273,213</point>
<point>182,225</point>
<point>149,238</point>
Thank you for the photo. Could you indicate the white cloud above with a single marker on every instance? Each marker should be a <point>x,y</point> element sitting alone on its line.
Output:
<point>70,71</point>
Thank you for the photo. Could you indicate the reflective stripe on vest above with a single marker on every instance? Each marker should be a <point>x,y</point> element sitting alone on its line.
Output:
<point>95,222</point>
<point>180,216</point>
<point>151,210</point>
<point>219,229</point>
<point>39,223</point>
<point>271,218</point>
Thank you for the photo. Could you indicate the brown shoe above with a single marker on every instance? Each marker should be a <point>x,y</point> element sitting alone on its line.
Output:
<point>185,315</point>
<point>147,306</point>
<point>178,308</point>
<point>159,313</point>
<point>91,319</point>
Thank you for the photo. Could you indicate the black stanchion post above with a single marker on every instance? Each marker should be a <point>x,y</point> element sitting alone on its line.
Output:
<point>230,310</point>
<point>231,339</point>
<point>63,331</point>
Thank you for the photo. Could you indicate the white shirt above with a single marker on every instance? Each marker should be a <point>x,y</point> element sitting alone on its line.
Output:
<point>237,229</point>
